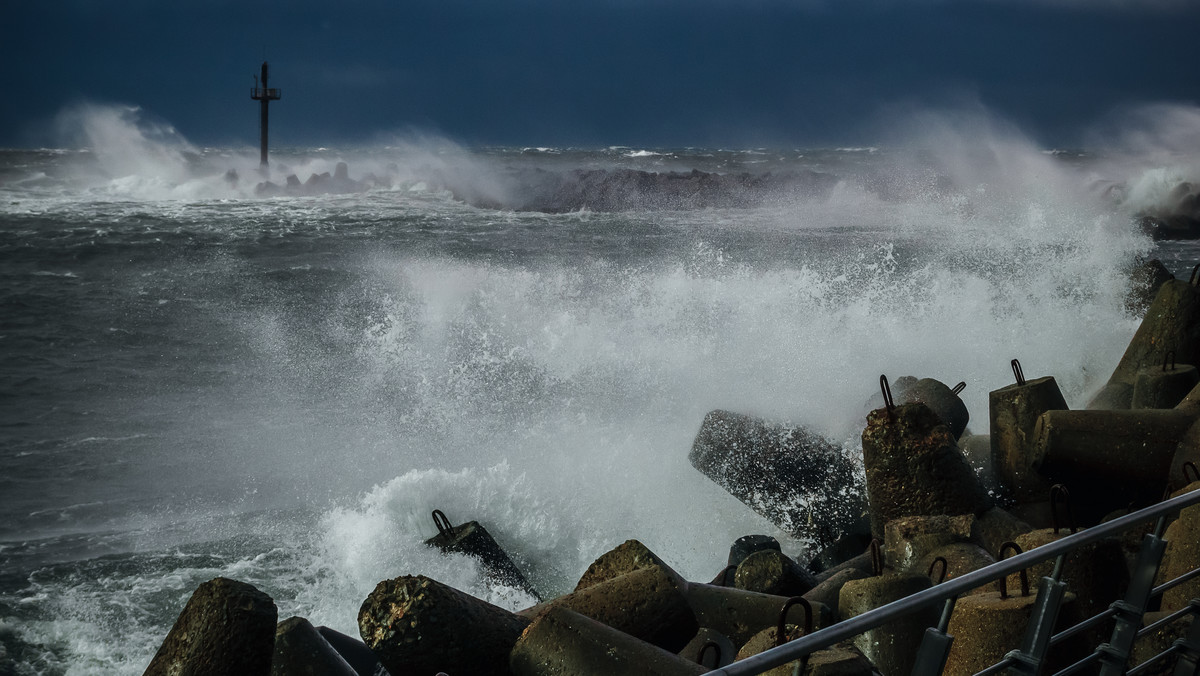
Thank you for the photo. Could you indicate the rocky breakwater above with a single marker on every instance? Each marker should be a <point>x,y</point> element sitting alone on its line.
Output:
<point>931,504</point>
<point>611,190</point>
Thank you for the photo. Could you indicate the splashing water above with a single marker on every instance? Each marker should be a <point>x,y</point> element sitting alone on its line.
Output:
<point>281,389</point>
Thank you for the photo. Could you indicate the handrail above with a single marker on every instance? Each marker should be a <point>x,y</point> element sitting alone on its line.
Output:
<point>805,645</point>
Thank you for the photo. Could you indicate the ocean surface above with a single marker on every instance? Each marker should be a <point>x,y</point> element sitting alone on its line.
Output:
<point>203,378</point>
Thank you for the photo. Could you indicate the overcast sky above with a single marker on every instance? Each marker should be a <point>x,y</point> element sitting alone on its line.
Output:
<point>599,72</point>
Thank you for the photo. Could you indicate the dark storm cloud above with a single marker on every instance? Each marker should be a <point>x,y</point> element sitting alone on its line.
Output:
<point>615,71</point>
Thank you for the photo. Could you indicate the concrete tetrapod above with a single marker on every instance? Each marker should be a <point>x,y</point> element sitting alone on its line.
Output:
<point>940,399</point>
<point>740,614</point>
<point>771,572</point>
<point>749,544</point>
<point>1172,322</point>
<point>842,659</point>
<point>418,625</point>
<point>227,627</point>
<point>353,650</point>
<point>986,626</point>
<point>649,604</point>
<point>957,559</point>
<point>914,468</point>
<point>1109,459</point>
<point>892,648</point>
<point>909,539</point>
<point>1097,572</point>
<point>1014,412</point>
<point>1182,555</point>
<point>472,539</point>
<point>797,479</point>
<point>709,648</point>
<point>300,650</point>
<point>625,558</point>
<point>1163,387</point>
<point>561,642</point>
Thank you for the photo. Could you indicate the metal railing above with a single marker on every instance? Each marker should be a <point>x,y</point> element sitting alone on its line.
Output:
<point>271,94</point>
<point>1127,613</point>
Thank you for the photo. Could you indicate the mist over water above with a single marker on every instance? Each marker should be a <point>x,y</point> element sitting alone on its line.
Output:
<point>204,382</point>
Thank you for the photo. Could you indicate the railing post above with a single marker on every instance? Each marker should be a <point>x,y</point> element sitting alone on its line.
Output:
<point>1114,655</point>
<point>1188,663</point>
<point>935,647</point>
<point>1029,657</point>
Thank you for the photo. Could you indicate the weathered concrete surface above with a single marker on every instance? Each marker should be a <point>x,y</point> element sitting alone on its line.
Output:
<point>798,480</point>
<point>842,659</point>
<point>914,468</point>
<point>892,647</point>
<point>940,399</point>
<point>1172,322</point>
<point>961,558</point>
<point>227,627</point>
<point>698,650</point>
<point>1163,387</point>
<point>418,625</point>
<point>985,627</point>
<point>472,539</point>
<point>353,650</point>
<point>1014,412</point>
<point>625,558</point>
<point>772,572</point>
<point>650,604</point>
<point>740,614</point>
<point>909,539</point>
<point>561,642</point>
<point>1109,459</point>
<point>300,650</point>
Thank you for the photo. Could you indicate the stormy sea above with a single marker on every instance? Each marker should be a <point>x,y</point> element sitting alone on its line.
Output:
<point>209,369</point>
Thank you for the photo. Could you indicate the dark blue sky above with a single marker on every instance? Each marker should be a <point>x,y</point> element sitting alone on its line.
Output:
<point>554,72</point>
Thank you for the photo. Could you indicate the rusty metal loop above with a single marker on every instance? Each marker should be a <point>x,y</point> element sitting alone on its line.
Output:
<point>1018,372</point>
<point>945,569</point>
<point>716,649</point>
<point>887,394</point>
<point>876,557</point>
<point>781,628</point>
<point>1192,279</point>
<point>962,385</point>
<point>1195,472</point>
<point>1003,582</point>
<point>725,574</point>
<point>1057,491</point>
<point>442,523</point>
<point>1169,356</point>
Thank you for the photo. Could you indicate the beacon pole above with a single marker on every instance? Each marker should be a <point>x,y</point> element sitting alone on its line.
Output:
<point>264,95</point>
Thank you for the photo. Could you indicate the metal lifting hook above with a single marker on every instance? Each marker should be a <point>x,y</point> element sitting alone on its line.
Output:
<point>781,628</point>
<point>1195,472</point>
<point>887,395</point>
<point>442,523</point>
<point>945,569</point>
<point>1018,372</point>
<point>1003,582</point>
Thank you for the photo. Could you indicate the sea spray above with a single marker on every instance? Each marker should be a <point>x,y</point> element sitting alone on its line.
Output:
<point>281,390</point>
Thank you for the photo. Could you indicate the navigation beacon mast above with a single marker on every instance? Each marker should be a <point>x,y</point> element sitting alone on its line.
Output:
<point>264,95</point>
